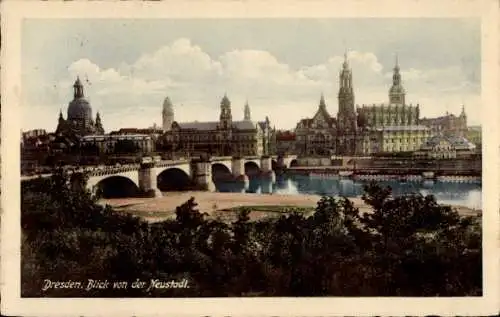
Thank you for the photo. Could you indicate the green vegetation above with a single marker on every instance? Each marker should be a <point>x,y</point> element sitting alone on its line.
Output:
<point>408,246</point>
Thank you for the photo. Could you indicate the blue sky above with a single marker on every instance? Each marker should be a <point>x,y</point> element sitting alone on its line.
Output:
<point>280,65</point>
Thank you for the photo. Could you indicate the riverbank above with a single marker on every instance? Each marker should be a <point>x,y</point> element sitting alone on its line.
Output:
<point>222,205</point>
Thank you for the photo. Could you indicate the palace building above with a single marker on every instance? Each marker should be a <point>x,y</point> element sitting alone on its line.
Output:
<point>366,129</point>
<point>448,124</point>
<point>219,138</point>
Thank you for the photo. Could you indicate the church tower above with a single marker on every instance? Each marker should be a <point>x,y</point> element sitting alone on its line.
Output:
<point>397,92</point>
<point>247,116</point>
<point>99,129</point>
<point>167,115</point>
<point>226,119</point>
<point>346,114</point>
<point>61,123</point>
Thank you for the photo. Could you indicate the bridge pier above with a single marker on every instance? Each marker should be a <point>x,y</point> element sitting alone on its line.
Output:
<point>202,174</point>
<point>281,162</point>
<point>238,170</point>
<point>266,168</point>
<point>147,181</point>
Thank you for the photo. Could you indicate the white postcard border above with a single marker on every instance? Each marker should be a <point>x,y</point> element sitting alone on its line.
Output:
<point>14,11</point>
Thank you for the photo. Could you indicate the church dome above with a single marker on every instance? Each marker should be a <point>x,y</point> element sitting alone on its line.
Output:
<point>79,108</point>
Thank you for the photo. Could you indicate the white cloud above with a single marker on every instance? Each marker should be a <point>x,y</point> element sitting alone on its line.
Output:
<point>132,94</point>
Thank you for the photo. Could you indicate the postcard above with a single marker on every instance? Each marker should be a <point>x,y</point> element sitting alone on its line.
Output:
<point>250,158</point>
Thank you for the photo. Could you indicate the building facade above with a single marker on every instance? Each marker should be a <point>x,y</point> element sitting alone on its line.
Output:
<point>285,142</point>
<point>79,121</point>
<point>220,138</point>
<point>446,147</point>
<point>474,135</point>
<point>366,129</point>
<point>117,144</point>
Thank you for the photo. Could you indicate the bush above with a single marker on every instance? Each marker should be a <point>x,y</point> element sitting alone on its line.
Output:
<point>407,246</point>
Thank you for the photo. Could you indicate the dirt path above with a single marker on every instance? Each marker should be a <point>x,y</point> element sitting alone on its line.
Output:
<point>211,202</point>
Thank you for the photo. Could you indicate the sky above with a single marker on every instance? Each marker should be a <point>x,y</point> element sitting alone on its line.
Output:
<point>281,66</point>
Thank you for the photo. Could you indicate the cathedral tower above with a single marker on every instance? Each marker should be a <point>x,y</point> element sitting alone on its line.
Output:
<point>167,115</point>
<point>346,114</point>
<point>397,92</point>
<point>247,116</point>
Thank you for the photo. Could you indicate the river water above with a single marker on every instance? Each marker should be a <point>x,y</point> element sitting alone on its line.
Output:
<point>450,193</point>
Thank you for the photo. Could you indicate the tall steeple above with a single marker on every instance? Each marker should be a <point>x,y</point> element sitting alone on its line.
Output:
<point>78,88</point>
<point>346,113</point>
<point>98,124</point>
<point>167,114</point>
<point>322,103</point>
<point>397,92</point>
<point>247,116</point>
<point>462,114</point>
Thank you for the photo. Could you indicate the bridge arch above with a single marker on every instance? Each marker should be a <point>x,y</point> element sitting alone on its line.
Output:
<point>251,168</point>
<point>294,163</point>
<point>220,172</point>
<point>116,186</point>
<point>173,179</point>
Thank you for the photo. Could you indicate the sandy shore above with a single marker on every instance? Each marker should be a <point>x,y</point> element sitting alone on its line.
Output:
<point>156,209</point>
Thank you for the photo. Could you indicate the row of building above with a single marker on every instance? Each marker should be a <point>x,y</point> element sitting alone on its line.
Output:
<point>390,127</point>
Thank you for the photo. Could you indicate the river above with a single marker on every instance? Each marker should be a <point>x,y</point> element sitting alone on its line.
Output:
<point>450,193</point>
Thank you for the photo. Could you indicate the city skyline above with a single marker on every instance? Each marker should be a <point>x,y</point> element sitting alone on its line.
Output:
<point>127,79</point>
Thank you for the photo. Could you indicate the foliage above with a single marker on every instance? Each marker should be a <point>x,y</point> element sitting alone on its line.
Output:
<point>406,246</point>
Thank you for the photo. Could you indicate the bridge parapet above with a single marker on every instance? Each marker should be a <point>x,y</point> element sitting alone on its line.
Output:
<point>221,158</point>
<point>112,170</point>
<point>170,163</point>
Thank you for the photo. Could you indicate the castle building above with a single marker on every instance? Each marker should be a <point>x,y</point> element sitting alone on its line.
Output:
<point>366,129</point>
<point>448,124</point>
<point>220,138</point>
<point>79,120</point>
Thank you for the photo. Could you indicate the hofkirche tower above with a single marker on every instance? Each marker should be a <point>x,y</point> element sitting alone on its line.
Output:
<point>397,92</point>
<point>346,116</point>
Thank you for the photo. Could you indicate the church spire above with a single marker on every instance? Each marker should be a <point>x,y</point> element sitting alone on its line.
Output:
<point>397,92</point>
<point>98,124</point>
<point>247,116</point>
<point>396,77</point>
<point>346,116</point>
<point>322,103</point>
<point>78,88</point>
<point>462,114</point>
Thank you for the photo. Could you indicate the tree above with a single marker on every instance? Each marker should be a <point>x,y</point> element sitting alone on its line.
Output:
<point>403,246</point>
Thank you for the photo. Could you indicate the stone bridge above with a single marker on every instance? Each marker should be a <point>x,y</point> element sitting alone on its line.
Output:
<point>143,179</point>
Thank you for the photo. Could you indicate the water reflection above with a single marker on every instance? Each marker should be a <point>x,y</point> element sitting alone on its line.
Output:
<point>453,193</point>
